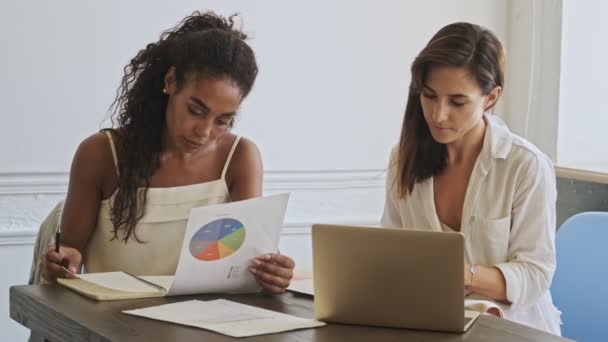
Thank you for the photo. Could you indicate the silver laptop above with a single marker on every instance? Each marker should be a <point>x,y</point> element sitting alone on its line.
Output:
<point>390,277</point>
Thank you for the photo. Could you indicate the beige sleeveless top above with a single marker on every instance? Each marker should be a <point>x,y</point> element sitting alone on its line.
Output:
<point>161,229</point>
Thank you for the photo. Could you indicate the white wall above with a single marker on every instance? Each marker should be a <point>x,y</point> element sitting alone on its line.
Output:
<point>531,97</point>
<point>336,70</point>
<point>557,64</point>
<point>325,110</point>
<point>583,117</point>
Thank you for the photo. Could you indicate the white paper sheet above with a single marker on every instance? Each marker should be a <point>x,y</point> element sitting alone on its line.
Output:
<point>305,286</point>
<point>226,317</point>
<point>220,242</point>
<point>302,282</point>
<point>162,281</point>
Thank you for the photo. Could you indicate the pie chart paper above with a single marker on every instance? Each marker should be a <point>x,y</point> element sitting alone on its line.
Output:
<point>221,240</point>
<point>217,239</point>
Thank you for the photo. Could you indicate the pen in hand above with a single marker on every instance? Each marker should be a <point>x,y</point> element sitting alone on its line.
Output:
<point>57,248</point>
<point>57,241</point>
<point>68,273</point>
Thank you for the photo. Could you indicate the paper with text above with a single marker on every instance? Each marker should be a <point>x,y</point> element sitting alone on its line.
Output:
<point>220,242</point>
<point>226,317</point>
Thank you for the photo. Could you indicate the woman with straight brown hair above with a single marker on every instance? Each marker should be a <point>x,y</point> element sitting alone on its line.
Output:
<point>459,168</point>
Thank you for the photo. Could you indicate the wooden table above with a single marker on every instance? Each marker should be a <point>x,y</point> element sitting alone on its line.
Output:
<point>56,313</point>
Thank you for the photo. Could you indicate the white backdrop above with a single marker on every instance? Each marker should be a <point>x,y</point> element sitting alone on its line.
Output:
<point>330,94</point>
<point>583,116</point>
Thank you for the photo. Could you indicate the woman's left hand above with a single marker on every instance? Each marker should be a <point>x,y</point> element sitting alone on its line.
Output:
<point>273,272</point>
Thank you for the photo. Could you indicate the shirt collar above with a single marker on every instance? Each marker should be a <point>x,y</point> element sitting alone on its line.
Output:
<point>498,140</point>
<point>497,143</point>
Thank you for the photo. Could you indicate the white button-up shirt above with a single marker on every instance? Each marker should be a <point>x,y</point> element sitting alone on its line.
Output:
<point>508,220</point>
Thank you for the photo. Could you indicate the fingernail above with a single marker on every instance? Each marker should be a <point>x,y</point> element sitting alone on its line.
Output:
<point>267,256</point>
<point>252,269</point>
<point>257,262</point>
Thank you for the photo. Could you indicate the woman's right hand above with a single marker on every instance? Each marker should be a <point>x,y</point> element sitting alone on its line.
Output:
<point>53,263</point>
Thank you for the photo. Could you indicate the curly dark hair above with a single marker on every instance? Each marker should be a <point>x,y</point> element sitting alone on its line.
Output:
<point>201,44</point>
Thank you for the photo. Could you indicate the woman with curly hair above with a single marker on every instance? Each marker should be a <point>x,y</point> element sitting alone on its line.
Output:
<point>131,188</point>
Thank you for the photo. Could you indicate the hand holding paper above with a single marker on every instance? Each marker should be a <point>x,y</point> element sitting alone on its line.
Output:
<point>222,240</point>
<point>273,272</point>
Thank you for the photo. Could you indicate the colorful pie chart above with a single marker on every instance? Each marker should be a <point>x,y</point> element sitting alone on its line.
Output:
<point>217,239</point>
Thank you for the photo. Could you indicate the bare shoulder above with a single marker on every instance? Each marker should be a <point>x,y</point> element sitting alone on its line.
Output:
<point>89,180</point>
<point>96,149</point>
<point>246,151</point>
<point>246,157</point>
<point>246,164</point>
<point>93,160</point>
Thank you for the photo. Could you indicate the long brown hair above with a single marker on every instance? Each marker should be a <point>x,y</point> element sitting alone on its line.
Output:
<point>459,45</point>
<point>202,44</point>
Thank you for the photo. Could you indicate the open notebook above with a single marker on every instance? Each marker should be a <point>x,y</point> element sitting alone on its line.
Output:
<point>251,228</point>
<point>118,285</point>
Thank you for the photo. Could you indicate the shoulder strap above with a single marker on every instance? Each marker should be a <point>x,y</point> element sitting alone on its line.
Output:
<point>236,141</point>
<point>114,156</point>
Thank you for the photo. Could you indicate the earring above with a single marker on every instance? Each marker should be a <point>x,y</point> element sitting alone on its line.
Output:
<point>165,90</point>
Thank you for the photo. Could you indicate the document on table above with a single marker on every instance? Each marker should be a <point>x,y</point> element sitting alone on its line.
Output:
<point>226,317</point>
<point>302,282</point>
<point>305,286</point>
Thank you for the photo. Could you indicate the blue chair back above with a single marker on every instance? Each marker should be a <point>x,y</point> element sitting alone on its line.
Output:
<point>580,283</point>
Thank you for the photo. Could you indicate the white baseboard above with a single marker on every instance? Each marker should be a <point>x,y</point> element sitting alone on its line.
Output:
<point>33,183</point>
<point>318,196</point>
